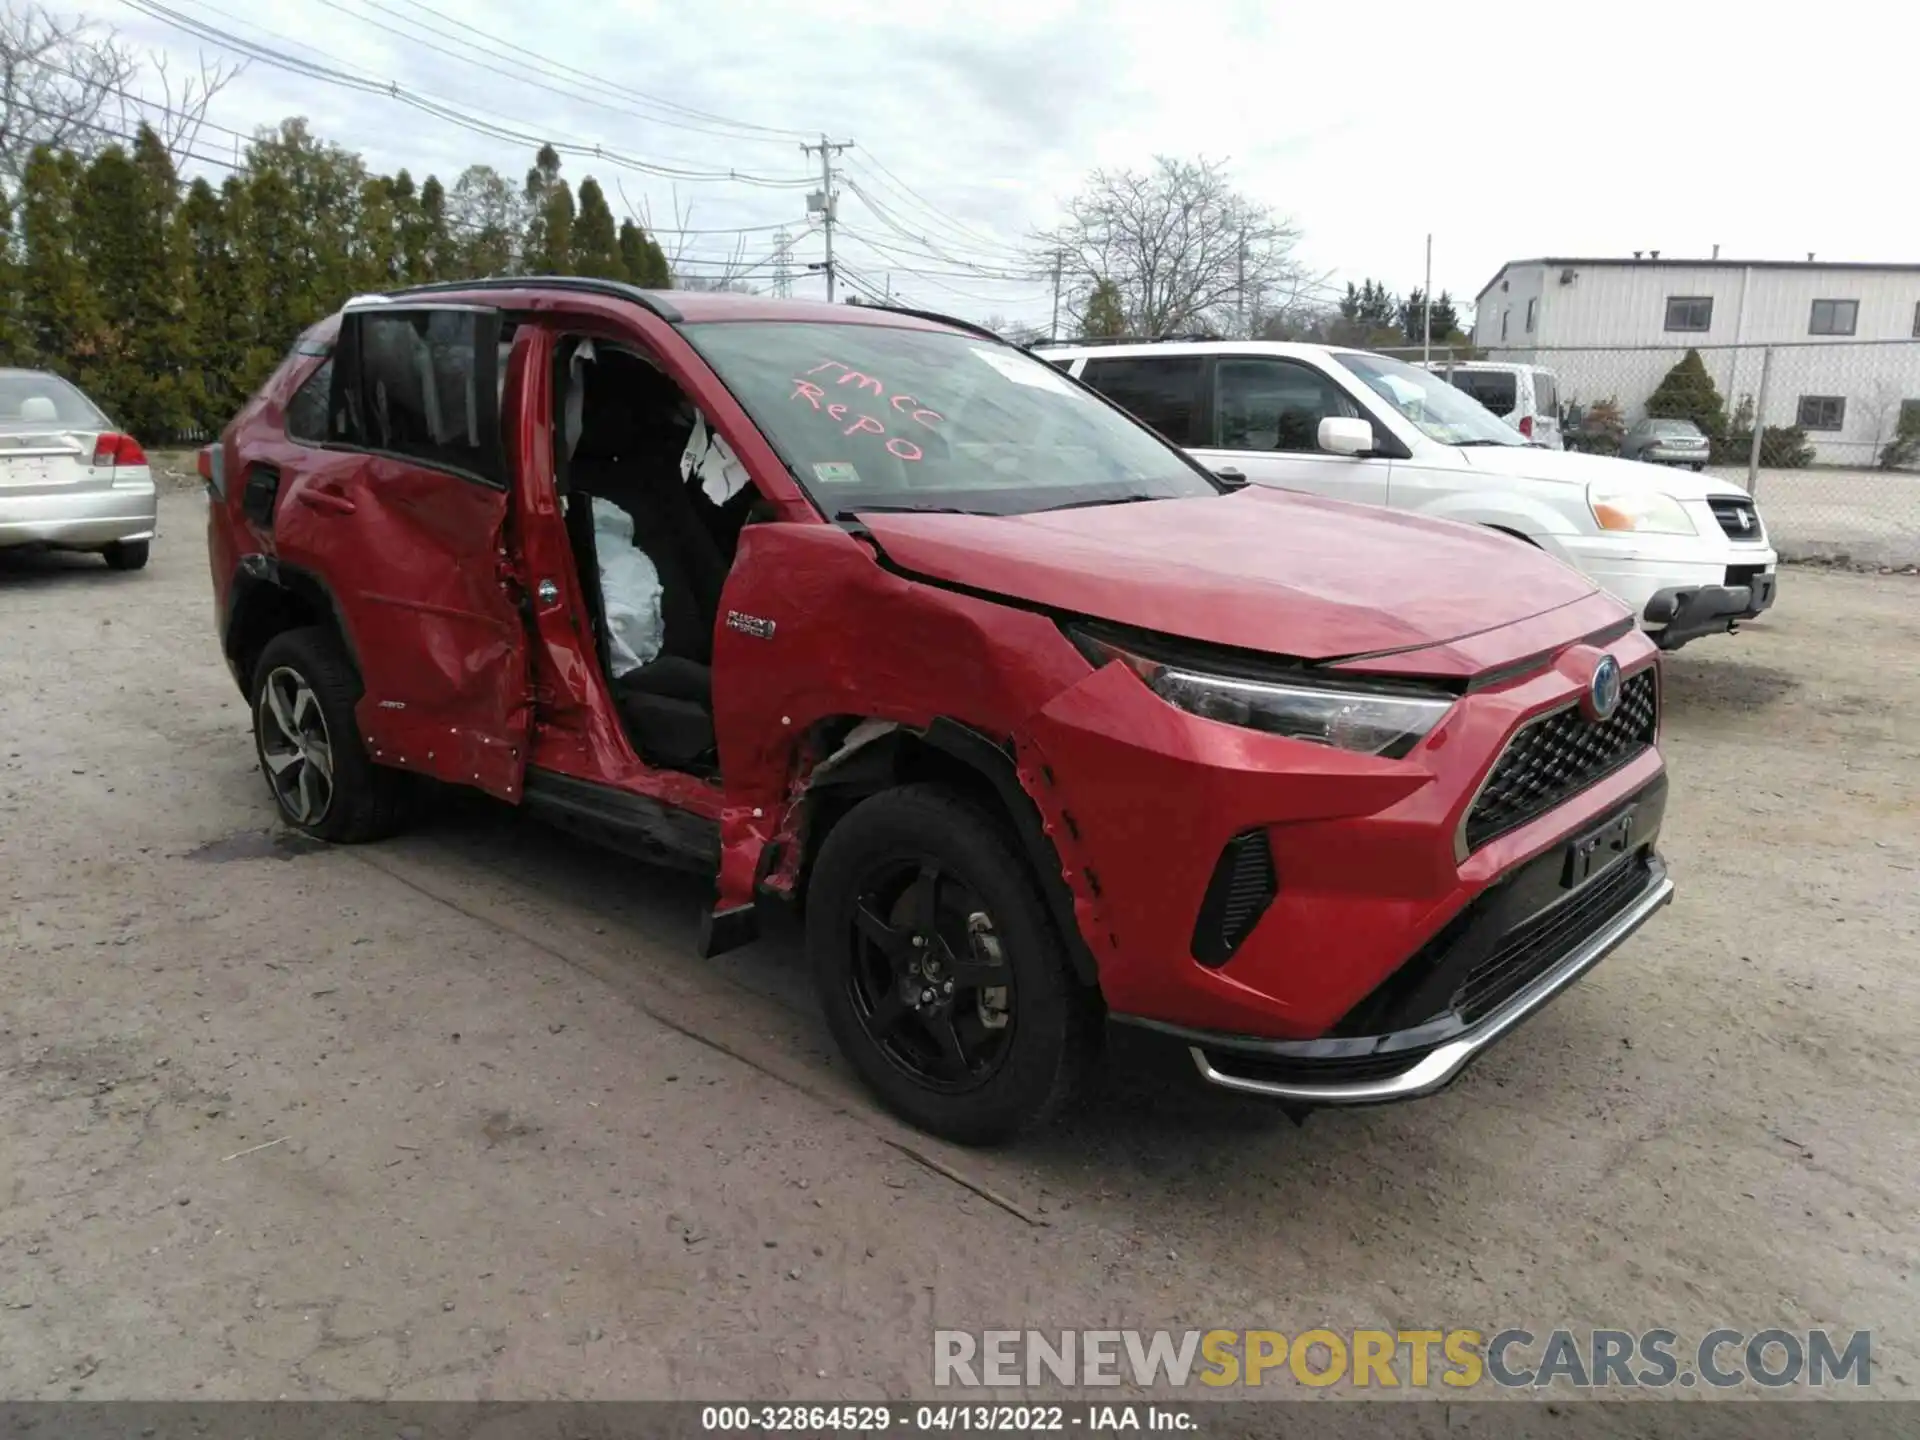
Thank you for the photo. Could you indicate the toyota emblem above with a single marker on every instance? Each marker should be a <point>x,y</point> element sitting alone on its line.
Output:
<point>1603,691</point>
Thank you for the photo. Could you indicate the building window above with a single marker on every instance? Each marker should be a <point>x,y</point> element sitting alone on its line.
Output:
<point>1530,314</point>
<point>1916,320</point>
<point>1689,312</point>
<point>1505,315</point>
<point>1834,317</point>
<point>1823,412</point>
<point>1909,417</point>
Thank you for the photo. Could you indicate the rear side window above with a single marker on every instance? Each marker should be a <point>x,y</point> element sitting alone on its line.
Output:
<point>421,384</point>
<point>1498,390</point>
<point>1160,390</point>
<point>307,410</point>
<point>1546,398</point>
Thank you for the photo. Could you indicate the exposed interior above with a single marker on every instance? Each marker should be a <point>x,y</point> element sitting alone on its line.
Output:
<point>651,541</point>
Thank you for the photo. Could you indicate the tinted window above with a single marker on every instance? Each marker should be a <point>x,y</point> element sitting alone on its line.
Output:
<point>1161,390</point>
<point>421,390</point>
<point>1273,404</point>
<point>1834,317</point>
<point>307,410</point>
<point>1498,390</point>
<point>1689,312</point>
<point>1823,412</point>
<point>1546,397</point>
<point>873,417</point>
<point>33,399</point>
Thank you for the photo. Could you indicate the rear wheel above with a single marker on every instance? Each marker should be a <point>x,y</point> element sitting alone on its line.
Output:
<point>320,775</point>
<point>942,977</point>
<point>126,554</point>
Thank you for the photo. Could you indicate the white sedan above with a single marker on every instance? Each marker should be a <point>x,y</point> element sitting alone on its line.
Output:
<point>69,478</point>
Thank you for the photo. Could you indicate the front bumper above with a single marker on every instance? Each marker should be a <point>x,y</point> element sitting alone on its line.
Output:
<point>1686,613</point>
<point>80,519</point>
<point>1404,1065</point>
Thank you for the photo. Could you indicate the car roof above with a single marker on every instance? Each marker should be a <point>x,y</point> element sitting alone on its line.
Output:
<point>1067,349</point>
<point>682,306</point>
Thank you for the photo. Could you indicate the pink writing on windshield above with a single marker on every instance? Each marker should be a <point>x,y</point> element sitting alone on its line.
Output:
<point>817,396</point>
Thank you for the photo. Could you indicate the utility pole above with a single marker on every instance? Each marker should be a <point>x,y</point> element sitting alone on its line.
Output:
<point>1059,264</point>
<point>822,201</point>
<point>1240,289</point>
<point>1426,310</point>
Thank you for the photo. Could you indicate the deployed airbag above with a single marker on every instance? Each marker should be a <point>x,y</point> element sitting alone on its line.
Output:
<point>709,457</point>
<point>629,591</point>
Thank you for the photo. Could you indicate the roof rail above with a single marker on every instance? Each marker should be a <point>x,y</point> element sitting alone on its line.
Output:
<point>647,299</point>
<point>1170,339</point>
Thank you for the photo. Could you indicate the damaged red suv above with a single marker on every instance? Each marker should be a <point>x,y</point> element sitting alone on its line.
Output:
<point>1043,727</point>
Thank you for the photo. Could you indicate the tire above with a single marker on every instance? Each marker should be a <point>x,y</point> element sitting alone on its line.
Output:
<point>127,554</point>
<point>867,904</point>
<point>348,799</point>
<point>1698,468</point>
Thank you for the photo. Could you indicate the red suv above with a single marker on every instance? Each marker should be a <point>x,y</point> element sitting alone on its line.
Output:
<point>1041,724</point>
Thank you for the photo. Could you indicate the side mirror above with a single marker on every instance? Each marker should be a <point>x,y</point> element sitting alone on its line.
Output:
<point>1345,435</point>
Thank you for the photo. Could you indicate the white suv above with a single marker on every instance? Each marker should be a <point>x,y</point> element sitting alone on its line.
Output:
<point>1687,552</point>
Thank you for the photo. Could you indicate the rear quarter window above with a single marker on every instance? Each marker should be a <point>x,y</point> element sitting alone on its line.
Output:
<point>1162,391</point>
<point>1498,390</point>
<point>1546,395</point>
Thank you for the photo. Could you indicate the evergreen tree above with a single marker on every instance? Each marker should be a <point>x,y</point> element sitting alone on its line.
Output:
<point>59,311</point>
<point>596,249</point>
<point>313,207</point>
<point>1105,317</point>
<point>13,340</point>
<point>548,247</point>
<point>1688,393</point>
<point>218,320</point>
<point>432,254</point>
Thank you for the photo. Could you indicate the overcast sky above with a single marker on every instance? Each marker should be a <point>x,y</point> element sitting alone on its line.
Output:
<point>1507,130</point>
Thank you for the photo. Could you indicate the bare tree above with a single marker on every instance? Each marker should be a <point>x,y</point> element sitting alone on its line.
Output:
<point>728,272</point>
<point>1185,249</point>
<point>183,114</point>
<point>63,83</point>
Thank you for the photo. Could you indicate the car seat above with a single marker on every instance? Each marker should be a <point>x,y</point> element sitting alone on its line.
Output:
<point>623,445</point>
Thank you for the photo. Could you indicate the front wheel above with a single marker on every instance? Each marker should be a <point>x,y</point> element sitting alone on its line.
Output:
<point>319,772</point>
<point>941,974</point>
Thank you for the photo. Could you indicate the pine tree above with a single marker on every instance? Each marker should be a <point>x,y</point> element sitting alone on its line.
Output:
<point>484,224</point>
<point>13,340</point>
<point>218,321</point>
<point>433,253</point>
<point>596,249</point>
<point>548,247</point>
<point>123,211</point>
<point>1105,317</point>
<point>59,317</point>
<point>1688,393</point>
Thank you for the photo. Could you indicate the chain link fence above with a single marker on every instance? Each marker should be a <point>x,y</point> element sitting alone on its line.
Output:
<point>1835,462</point>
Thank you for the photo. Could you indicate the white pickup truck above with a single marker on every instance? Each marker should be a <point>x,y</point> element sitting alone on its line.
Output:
<point>1687,552</point>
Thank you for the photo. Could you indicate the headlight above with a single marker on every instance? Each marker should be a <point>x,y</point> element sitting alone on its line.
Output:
<point>1645,511</point>
<point>1370,719</point>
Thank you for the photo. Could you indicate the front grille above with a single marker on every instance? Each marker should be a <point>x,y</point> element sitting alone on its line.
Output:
<point>1559,755</point>
<point>1242,887</point>
<point>1740,518</point>
<point>1537,945</point>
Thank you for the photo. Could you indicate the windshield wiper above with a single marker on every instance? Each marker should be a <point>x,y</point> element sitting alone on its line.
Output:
<point>1089,504</point>
<point>1504,445</point>
<point>855,512</point>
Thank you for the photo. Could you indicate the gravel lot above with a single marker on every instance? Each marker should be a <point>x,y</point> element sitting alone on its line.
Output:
<point>1865,517</point>
<point>462,1116</point>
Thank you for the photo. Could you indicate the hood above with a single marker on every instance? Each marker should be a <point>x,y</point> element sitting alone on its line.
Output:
<point>1258,569</point>
<point>1524,462</point>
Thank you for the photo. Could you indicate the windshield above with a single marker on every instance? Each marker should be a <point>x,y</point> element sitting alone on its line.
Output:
<point>34,400</point>
<point>872,417</point>
<point>1441,412</point>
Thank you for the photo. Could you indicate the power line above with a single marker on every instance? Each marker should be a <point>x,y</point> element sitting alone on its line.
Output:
<point>901,187</point>
<point>520,71</point>
<point>440,109</point>
<point>521,53</point>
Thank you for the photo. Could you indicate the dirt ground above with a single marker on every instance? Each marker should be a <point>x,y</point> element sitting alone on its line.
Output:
<point>461,1115</point>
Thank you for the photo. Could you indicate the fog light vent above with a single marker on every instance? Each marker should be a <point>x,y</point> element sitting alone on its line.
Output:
<point>1242,887</point>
